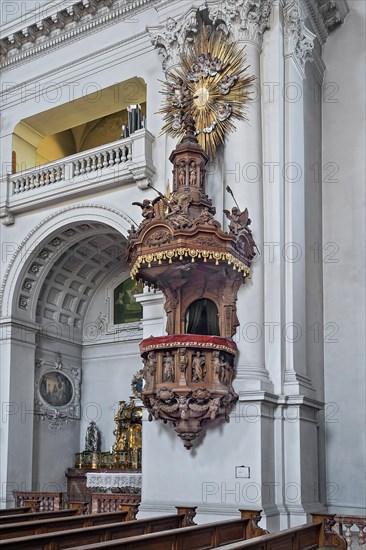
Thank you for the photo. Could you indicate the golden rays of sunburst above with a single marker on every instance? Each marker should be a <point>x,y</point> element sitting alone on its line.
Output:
<point>212,83</point>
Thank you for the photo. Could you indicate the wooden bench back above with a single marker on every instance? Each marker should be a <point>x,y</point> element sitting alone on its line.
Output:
<point>28,528</point>
<point>36,516</point>
<point>209,535</point>
<point>75,537</point>
<point>17,510</point>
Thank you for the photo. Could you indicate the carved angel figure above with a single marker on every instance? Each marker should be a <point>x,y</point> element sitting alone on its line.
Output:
<point>214,407</point>
<point>224,111</point>
<point>226,83</point>
<point>147,209</point>
<point>182,94</point>
<point>238,220</point>
<point>195,72</point>
<point>183,406</point>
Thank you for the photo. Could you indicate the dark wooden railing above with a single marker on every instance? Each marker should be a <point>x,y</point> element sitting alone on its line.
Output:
<point>39,502</point>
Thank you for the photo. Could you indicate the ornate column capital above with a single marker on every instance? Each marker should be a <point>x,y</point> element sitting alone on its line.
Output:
<point>247,20</point>
<point>170,39</point>
<point>299,40</point>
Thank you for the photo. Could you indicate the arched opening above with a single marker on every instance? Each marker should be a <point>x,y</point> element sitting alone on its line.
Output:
<point>93,120</point>
<point>80,365</point>
<point>202,318</point>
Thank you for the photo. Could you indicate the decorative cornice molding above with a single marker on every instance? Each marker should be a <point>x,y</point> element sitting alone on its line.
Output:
<point>325,15</point>
<point>72,22</point>
<point>299,40</point>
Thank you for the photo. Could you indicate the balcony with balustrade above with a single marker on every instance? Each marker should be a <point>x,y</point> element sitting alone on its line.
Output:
<point>125,161</point>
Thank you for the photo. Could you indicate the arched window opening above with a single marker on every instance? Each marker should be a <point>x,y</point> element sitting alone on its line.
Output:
<point>202,318</point>
<point>126,309</point>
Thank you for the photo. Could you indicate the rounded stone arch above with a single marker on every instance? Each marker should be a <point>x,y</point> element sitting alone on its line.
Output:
<point>41,248</point>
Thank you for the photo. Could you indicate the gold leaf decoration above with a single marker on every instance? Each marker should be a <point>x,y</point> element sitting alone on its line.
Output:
<point>212,84</point>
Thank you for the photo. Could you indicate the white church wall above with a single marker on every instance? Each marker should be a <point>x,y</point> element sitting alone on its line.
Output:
<point>344,277</point>
<point>312,332</point>
<point>110,360</point>
<point>53,448</point>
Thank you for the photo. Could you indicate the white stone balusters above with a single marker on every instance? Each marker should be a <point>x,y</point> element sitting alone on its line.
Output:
<point>93,163</point>
<point>129,151</point>
<point>111,157</point>
<point>105,159</point>
<point>117,153</point>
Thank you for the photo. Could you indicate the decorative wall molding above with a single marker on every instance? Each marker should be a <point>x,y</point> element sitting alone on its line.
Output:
<point>70,23</point>
<point>299,40</point>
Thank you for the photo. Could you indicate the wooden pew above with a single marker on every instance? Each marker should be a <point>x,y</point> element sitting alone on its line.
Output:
<point>28,528</point>
<point>311,536</point>
<point>66,539</point>
<point>209,535</point>
<point>18,510</point>
<point>160,533</point>
<point>36,516</point>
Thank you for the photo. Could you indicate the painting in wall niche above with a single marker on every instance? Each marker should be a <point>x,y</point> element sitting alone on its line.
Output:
<point>126,309</point>
<point>57,391</point>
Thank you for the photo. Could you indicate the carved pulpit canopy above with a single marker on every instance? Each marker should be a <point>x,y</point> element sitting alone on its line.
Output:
<point>182,249</point>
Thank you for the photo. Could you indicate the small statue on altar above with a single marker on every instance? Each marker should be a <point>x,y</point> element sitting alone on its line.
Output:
<point>92,437</point>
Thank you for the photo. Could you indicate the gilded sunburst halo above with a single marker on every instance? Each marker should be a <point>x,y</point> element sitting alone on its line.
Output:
<point>211,82</point>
